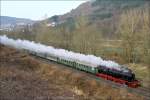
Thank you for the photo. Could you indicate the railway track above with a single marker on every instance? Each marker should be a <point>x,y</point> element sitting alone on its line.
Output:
<point>143,91</point>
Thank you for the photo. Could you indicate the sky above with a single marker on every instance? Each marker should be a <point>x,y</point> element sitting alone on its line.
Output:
<point>37,10</point>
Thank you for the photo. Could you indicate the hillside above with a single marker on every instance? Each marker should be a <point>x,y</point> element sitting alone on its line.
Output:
<point>11,22</point>
<point>26,78</point>
<point>102,14</point>
<point>23,78</point>
<point>100,9</point>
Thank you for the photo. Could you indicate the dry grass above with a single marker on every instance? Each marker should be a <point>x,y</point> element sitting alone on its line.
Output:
<point>20,79</point>
<point>142,72</point>
<point>25,78</point>
<point>83,86</point>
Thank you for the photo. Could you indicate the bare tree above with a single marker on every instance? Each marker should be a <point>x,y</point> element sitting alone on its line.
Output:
<point>134,30</point>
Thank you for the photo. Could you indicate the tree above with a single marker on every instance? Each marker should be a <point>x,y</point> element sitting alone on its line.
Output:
<point>66,37</point>
<point>134,30</point>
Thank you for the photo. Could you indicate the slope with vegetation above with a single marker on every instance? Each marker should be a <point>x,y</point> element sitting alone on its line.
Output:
<point>26,78</point>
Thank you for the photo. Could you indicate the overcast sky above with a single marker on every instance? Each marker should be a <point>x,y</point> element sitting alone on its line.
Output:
<point>36,10</point>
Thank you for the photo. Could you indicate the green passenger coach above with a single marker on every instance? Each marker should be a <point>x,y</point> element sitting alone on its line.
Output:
<point>70,63</point>
<point>78,66</point>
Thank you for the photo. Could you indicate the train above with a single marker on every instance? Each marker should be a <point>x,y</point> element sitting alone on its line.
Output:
<point>125,76</point>
<point>108,70</point>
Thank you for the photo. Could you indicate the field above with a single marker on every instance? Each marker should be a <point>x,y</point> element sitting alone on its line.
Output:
<point>26,78</point>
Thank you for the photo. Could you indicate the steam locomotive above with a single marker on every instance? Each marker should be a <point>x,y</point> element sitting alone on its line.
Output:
<point>124,76</point>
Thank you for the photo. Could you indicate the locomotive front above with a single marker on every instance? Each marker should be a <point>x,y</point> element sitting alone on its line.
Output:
<point>122,75</point>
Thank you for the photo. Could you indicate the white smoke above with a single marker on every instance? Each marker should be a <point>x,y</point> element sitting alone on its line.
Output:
<point>40,48</point>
